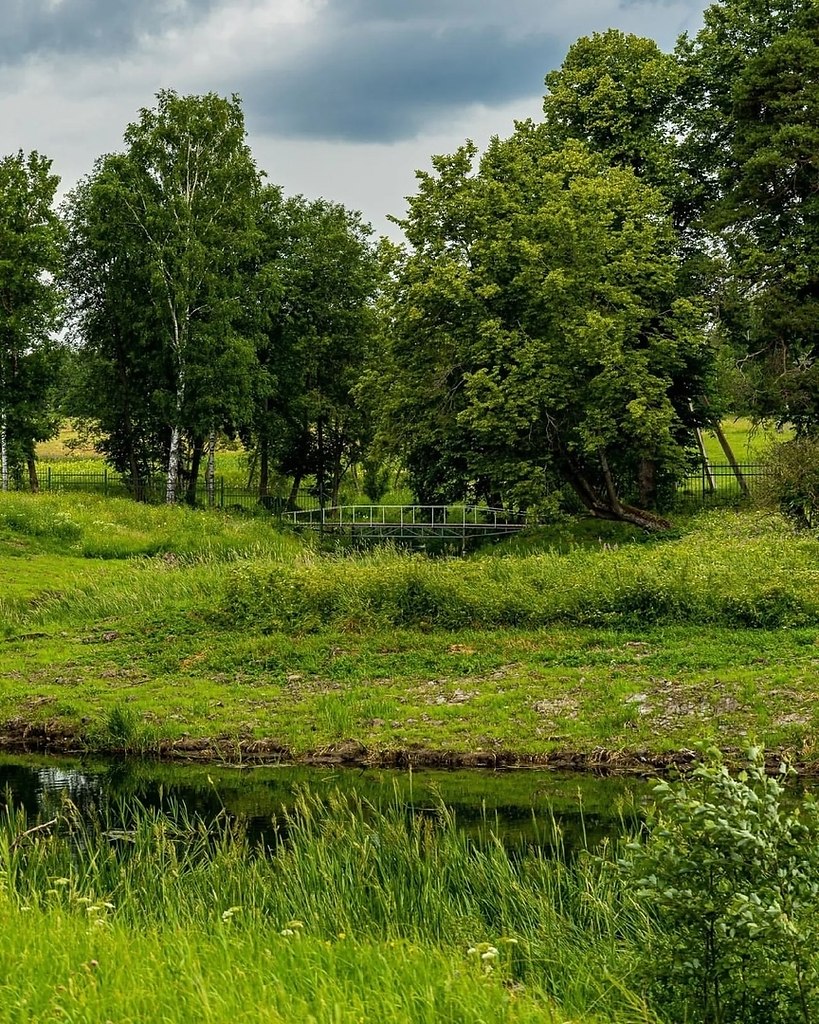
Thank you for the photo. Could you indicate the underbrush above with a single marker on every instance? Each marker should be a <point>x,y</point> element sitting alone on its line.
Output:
<point>739,570</point>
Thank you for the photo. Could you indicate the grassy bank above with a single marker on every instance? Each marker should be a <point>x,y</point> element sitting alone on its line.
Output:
<point>358,914</point>
<point>139,628</point>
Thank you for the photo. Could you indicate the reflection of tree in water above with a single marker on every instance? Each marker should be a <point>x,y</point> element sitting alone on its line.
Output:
<point>523,809</point>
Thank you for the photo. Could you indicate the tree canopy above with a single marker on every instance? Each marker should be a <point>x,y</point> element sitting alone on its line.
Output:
<point>536,333</point>
<point>30,255</point>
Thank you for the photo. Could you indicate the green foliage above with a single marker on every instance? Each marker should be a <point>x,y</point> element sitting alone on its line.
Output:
<point>791,483</point>
<point>748,117</point>
<point>536,331</point>
<point>394,912</point>
<point>731,872</point>
<point>759,579</point>
<point>316,340</point>
<point>614,92</point>
<point>162,241</point>
<point>30,257</point>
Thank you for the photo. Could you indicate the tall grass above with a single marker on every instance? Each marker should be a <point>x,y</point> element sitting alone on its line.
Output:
<point>730,570</point>
<point>91,526</point>
<point>384,905</point>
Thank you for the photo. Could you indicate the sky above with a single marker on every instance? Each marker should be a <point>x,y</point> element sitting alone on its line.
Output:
<point>343,98</point>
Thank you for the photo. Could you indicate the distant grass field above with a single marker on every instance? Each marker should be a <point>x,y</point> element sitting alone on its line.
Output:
<point>143,627</point>
<point>748,442</point>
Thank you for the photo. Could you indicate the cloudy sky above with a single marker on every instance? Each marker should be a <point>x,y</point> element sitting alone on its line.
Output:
<point>343,98</point>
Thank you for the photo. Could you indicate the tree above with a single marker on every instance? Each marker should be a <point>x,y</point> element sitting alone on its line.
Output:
<point>179,210</point>
<point>323,269</point>
<point>536,331</point>
<point>615,92</point>
<point>30,240</point>
<point>751,118</point>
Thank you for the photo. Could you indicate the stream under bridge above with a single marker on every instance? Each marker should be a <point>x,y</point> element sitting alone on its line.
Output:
<point>409,524</point>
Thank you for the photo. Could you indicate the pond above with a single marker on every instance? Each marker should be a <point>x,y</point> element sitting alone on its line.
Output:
<point>523,807</point>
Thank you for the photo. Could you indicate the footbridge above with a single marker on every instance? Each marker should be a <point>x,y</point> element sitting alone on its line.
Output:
<point>409,524</point>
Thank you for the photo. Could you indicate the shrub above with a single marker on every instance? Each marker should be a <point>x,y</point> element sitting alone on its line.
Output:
<point>732,874</point>
<point>791,483</point>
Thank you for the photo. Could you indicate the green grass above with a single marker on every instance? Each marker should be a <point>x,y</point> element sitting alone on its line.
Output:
<point>358,914</point>
<point>145,628</point>
<point>748,441</point>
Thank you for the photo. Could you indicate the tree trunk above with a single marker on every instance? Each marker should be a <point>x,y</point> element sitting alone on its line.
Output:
<point>612,509</point>
<point>264,466</point>
<point>210,472</point>
<point>196,462</point>
<point>4,454</point>
<point>294,491</point>
<point>647,482</point>
<point>729,455</point>
<point>33,479</point>
<point>173,466</point>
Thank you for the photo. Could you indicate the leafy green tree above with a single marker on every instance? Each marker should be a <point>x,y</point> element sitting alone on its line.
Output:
<point>322,266</point>
<point>615,92</point>
<point>182,203</point>
<point>536,333</point>
<point>750,115</point>
<point>30,250</point>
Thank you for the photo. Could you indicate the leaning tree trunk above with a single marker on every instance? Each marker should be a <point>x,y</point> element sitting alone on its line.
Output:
<point>729,455</point>
<point>608,505</point>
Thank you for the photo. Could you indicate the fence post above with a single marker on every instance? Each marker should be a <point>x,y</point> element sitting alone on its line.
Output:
<point>48,479</point>
<point>221,492</point>
<point>105,482</point>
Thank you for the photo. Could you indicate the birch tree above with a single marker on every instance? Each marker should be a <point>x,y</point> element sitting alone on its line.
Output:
<point>183,196</point>
<point>30,235</point>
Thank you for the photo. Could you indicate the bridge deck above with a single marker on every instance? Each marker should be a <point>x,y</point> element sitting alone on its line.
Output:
<point>414,523</point>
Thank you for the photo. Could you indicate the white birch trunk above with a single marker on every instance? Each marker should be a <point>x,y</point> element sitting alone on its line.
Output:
<point>210,473</point>
<point>173,466</point>
<point>4,454</point>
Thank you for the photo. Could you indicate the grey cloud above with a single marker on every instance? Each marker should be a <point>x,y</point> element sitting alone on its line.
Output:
<point>102,27</point>
<point>379,84</point>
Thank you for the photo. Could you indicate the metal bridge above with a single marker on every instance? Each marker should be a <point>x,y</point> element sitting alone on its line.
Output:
<point>409,524</point>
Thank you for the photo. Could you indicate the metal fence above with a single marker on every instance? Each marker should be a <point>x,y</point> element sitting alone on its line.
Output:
<point>719,481</point>
<point>224,495</point>
<point>710,482</point>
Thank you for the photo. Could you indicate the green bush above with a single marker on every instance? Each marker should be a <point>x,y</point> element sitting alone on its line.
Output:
<point>791,483</point>
<point>731,872</point>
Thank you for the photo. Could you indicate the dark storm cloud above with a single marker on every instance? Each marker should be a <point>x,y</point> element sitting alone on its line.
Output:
<point>382,70</point>
<point>381,83</point>
<point>92,27</point>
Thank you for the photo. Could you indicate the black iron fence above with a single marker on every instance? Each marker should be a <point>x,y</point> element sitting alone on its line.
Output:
<point>710,482</point>
<point>223,494</point>
<point>719,481</point>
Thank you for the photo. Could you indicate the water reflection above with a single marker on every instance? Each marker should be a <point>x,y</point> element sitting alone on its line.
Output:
<point>522,807</point>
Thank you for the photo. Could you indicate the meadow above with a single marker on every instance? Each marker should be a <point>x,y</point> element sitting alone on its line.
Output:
<point>192,633</point>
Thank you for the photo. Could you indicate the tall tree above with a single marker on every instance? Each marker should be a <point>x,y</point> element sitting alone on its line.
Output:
<point>183,198</point>
<point>751,122</point>
<point>30,250</point>
<point>537,331</point>
<point>322,267</point>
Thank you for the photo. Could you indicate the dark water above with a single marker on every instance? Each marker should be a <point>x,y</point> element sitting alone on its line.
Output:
<point>523,807</point>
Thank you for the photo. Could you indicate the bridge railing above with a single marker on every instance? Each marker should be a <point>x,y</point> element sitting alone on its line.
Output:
<point>340,516</point>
